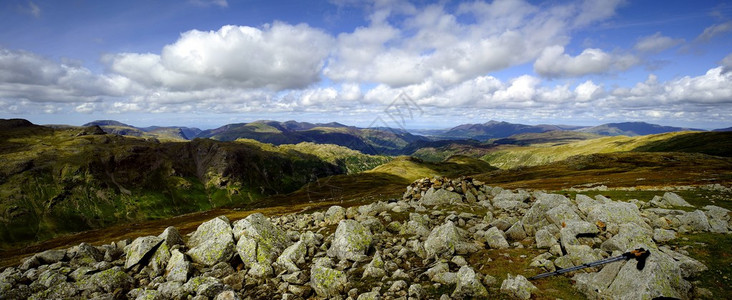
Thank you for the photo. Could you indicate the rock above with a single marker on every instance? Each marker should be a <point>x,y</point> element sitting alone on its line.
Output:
<point>334,215</point>
<point>351,241</point>
<point>628,238</point>
<point>495,238</point>
<point>661,277</point>
<point>212,242</point>
<point>695,221</point>
<point>148,295</point>
<point>178,267</point>
<point>327,282</point>
<point>141,248</point>
<point>292,257</point>
<point>171,236</point>
<point>544,239</point>
<point>369,296</point>
<point>459,261</point>
<point>535,217</point>
<point>562,214</point>
<point>86,255</point>
<point>198,284</point>
<point>468,285</point>
<point>50,278</point>
<point>51,256</point>
<point>591,284</point>
<point>259,240</point>
<point>663,235</point>
<point>160,259</point>
<point>106,281</point>
<point>516,232</point>
<point>444,240</point>
<point>440,197</point>
<point>375,268</point>
<point>227,295</point>
<point>416,291</point>
<point>518,287</point>
<point>675,200</point>
<point>615,213</point>
<point>398,285</point>
<point>689,266</point>
<point>506,195</point>
<point>172,290</point>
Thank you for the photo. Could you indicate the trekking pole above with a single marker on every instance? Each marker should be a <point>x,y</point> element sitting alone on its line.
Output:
<point>639,254</point>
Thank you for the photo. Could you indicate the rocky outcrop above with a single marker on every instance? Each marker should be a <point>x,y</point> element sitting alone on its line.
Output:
<point>389,249</point>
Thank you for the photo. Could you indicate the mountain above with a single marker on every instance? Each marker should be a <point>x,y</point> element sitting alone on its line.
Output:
<point>492,130</point>
<point>56,181</point>
<point>633,129</point>
<point>156,132</point>
<point>723,129</point>
<point>366,140</point>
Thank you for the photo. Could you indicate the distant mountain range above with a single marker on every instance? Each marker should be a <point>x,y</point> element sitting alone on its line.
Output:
<point>375,140</point>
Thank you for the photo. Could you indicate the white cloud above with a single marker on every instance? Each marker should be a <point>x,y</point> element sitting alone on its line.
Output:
<point>712,31</point>
<point>553,62</point>
<point>596,10</point>
<point>587,91</point>
<point>656,43</point>
<point>278,56</point>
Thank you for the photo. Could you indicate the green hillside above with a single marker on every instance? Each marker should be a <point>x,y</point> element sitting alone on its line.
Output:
<point>516,156</point>
<point>712,143</point>
<point>57,181</point>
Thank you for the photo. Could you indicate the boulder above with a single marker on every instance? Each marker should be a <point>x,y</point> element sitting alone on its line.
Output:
<point>172,237</point>
<point>178,267</point>
<point>444,240</point>
<point>562,214</point>
<point>293,256</point>
<point>106,281</point>
<point>675,200</point>
<point>615,213</point>
<point>718,218</point>
<point>326,281</point>
<point>140,248</point>
<point>535,217</point>
<point>375,268</point>
<point>544,239</point>
<point>334,215</point>
<point>695,221</point>
<point>351,241</point>
<point>661,277</point>
<point>518,287</point>
<point>468,285</point>
<point>663,235</point>
<point>86,255</point>
<point>495,238</point>
<point>628,238</point>
<point>51,256</point>
<point>259,240</point>
<point>212,242</point>
<point>440,196</point>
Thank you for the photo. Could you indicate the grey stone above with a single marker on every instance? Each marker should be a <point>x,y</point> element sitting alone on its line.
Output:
<point>334,214</point>
<point>495,238</point>
<point>544,239</point>
<point>369,296</point>
<point>518,287</point>
<point>178,267</point>
<point>212,242</point>
<point>106,281</point>
<point>516,232</point>
<point>445,240</point>
<point>663,235</point>
<point>561,214</point>
<point>416,291</point>
<point>439,197</point>
<point>293,256</point>
<point>327,282</point>
<point>351,241</point>
<point>535,216</point>
<point>172,290</point>
<point>259,240</point>
<point>675,200</point>
<point>468,285</point>
<point>86,255</point>
<point>375,268</point>
<point>50,278</point>
<point>172,237</point>
<point>695,221</point>
<point>628,238</point>
<point>227,295</point>
<point>661,277</point>
<point>616,213</point>
<point>51,256</point>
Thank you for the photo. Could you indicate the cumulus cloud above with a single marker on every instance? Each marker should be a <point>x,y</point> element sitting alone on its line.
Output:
<point>553,62</point>
<point>656,43</point>
<point>30,77</point>
<point>278,56</point>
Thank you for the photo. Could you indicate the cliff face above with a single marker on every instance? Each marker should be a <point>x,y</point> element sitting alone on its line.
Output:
<point>65,180</point>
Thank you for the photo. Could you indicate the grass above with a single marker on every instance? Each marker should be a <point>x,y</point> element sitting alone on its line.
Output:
<point>713,250</point>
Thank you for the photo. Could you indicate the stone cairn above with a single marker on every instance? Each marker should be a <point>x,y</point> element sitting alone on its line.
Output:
<point>416,247</point>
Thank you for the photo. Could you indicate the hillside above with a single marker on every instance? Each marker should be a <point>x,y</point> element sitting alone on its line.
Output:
<point>517,156</point>
<point>633,129</point>
<point>172,133</point>
<point>56,181</point>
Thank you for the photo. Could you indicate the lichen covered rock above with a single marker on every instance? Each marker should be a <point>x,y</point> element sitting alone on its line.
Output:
<point>351,241</point>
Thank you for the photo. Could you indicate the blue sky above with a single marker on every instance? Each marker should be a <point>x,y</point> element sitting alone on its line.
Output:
<point>206,63</point>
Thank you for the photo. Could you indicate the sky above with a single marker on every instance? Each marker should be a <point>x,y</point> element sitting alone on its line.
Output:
<point>381,63</point>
